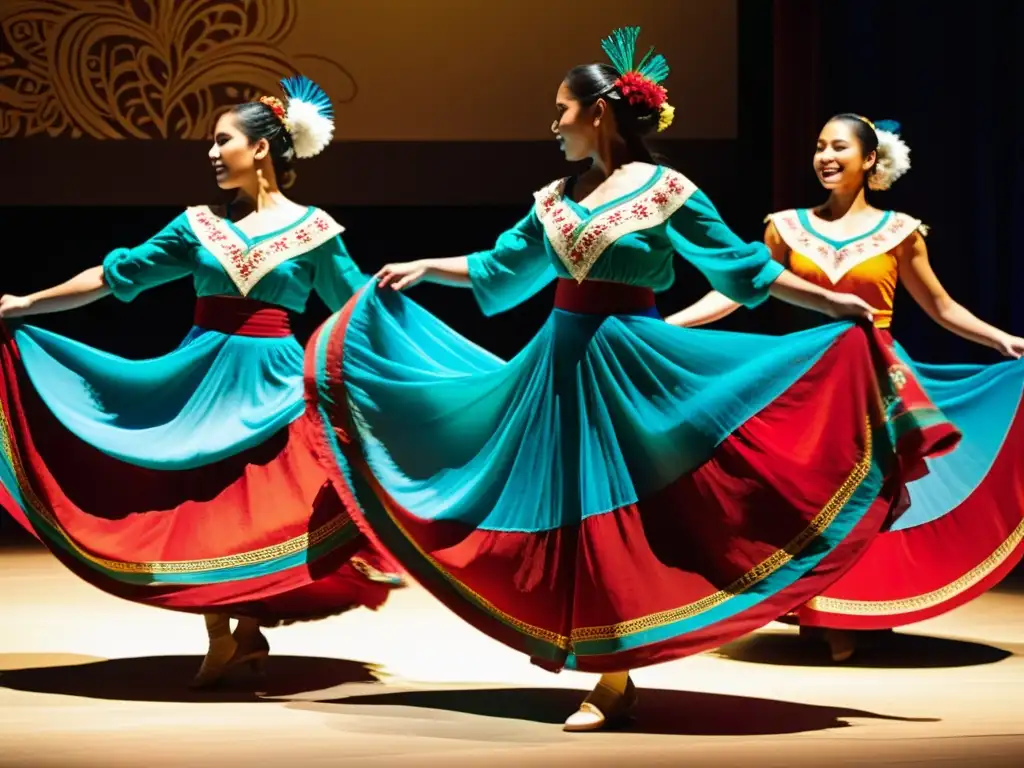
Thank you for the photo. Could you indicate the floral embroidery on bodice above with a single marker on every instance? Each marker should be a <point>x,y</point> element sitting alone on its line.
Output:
<point>247,263</point>
<point>579,242</point>
<point>835,262</point>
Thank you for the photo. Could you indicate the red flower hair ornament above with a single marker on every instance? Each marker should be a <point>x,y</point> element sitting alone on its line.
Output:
<point>640,84</point>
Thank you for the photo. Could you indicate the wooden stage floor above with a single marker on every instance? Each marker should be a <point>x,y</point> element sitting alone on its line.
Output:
<point>89,680</point>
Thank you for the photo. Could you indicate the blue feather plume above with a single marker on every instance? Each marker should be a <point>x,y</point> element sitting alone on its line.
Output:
<point>620,47</point>
<point>302,88</point>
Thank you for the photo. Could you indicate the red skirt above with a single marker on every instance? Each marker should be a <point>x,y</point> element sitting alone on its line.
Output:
<point>621,493</point>
<point>964,530</point>
<point>261,534</point>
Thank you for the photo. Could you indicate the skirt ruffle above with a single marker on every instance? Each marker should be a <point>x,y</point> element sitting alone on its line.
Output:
<point>964,529</point>
<point>260,532</point>
<point>622,492</point>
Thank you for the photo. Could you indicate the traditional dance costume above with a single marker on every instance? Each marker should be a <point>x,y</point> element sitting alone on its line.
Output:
<point>622,492</point>
<point>964,530</point>
<point>187,481</point>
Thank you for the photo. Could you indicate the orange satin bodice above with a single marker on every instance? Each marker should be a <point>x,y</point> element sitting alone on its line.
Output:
<point>864,266</point>
<point>874,281</point>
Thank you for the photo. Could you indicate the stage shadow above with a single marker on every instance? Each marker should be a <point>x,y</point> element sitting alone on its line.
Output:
<point>884,650</point>
<point>661,712</point>
<point>166,678</point>
<point>1013,584</point>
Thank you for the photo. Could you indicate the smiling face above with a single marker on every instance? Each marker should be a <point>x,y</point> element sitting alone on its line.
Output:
<point>233,156</point>
<point>839,159</point>
<point>576,127</point>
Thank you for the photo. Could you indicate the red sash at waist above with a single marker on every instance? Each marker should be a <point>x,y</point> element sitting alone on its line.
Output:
<point>596,297</point>
<point>242,317</point>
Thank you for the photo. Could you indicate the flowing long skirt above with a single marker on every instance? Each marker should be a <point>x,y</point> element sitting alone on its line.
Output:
<point>186,481</point>
<point>622,492</point>
<point>964,530</point>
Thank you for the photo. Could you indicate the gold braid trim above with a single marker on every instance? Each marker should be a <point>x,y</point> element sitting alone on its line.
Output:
<point>929,599</point>
<point>762,570</point>
<point>289,547</point>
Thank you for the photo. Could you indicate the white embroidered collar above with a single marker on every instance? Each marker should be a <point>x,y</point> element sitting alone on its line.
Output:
<point>579,242</point>
<point>247,263</point>
<point>835,262</point>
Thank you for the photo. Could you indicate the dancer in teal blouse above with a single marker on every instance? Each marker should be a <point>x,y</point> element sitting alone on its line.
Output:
<point>622,492</point>
<point>187,480</point>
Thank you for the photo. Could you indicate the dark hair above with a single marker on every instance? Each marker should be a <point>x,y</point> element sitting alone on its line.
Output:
<point>258,121</point>
<point>866,136</point>
<point>590,82</point>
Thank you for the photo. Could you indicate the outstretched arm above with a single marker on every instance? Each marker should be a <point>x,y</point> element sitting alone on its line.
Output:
<point>794,290</point>
<point>125,272</point>
<point>920,281</point>
<point>747,272</point>
<point>451,271</point>
<point>508,274</point>
<point>710,308</point>
<point>84,288</point>
<point>713,306</point>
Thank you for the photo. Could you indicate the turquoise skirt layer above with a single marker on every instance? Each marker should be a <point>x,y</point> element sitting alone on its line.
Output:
<point>213,397</point>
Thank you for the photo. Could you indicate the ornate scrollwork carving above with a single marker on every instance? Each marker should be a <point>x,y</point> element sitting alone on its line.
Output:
<point>116,69</point>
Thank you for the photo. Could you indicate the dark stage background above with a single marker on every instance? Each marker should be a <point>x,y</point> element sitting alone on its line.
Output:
<point>949,73</point>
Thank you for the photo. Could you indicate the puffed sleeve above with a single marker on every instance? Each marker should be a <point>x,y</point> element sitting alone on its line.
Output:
<point>164,257</point>
<point>514,270</point>
<point>337,278</point>
<point>742,271</point>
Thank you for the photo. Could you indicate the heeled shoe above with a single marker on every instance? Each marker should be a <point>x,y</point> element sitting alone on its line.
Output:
<point>842,644</point>
<point>603,708</point>
<point>219,658</point>
<point>253,650</point>
<point>230,650</point>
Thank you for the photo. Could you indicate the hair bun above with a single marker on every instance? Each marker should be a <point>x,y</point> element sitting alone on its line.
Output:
<point>645,118</point>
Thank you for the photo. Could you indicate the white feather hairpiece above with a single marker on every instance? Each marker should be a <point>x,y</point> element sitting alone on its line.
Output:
<point>893,156</point>
<point>309,116</point>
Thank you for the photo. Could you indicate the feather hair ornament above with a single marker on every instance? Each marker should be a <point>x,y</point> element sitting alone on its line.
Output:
<point>640,84</point>
<point>893,156</point>
<point>308,115</point>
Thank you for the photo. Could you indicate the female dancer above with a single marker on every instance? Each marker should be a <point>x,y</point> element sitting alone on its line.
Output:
<point>965,528</point>
<point>211,499</point>
<point>622,492</point>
